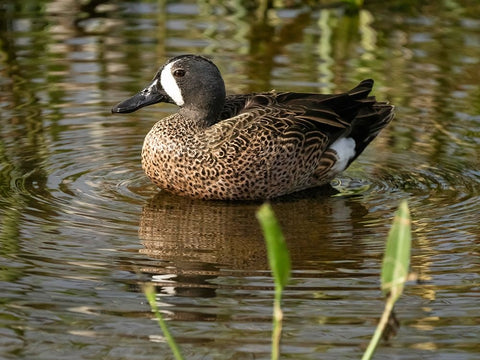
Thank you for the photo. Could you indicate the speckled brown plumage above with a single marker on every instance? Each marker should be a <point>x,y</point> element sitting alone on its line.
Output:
<point>255,146</point>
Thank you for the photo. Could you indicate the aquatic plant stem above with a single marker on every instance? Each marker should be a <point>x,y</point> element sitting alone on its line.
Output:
<point>367,355</point>
<point>149,292</point>
<point>277,325</point>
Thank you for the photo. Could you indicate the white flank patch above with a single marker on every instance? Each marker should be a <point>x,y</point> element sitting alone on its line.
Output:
<point>345,149</point>
<point>170,86</point>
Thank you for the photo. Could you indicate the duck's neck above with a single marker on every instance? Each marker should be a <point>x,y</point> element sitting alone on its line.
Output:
<point>203,103</point>
<point>204,115</point>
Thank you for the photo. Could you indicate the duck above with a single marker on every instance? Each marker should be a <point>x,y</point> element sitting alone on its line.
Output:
<point>255,146</point>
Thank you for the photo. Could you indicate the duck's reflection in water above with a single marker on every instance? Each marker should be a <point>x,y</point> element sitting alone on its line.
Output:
<point>196,241</point>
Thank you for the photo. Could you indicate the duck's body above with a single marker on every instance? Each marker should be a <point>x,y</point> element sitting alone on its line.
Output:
<point>254,146</point>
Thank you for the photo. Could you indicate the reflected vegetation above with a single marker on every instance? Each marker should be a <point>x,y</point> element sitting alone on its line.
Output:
<point>80,225</point>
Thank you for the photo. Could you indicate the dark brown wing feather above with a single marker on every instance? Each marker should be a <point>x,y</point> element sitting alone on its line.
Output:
<point>353,113</point>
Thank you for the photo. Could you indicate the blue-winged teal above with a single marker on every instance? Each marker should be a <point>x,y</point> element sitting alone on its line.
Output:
<point>253,146</point>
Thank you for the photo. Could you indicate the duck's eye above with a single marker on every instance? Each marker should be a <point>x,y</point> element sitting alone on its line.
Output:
<point>179,73</point>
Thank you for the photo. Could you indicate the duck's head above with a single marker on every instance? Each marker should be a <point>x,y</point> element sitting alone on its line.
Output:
<point>192,82</point>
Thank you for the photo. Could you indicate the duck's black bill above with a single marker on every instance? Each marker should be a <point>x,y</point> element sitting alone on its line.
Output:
<point>137,101</point>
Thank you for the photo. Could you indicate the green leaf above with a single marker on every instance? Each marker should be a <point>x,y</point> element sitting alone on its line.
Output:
<point>396,260</point>
<point>279,260</point>
<point>277,251</point>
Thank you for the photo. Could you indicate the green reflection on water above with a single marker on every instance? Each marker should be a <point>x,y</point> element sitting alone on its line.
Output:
<point>63,65</point>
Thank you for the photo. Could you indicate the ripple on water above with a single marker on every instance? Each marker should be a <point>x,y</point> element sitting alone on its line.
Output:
<point>84,182</point>
<point>76,200</point>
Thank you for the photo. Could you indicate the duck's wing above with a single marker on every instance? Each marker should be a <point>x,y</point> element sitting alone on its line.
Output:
<point>316,120</point>
<point>353,114</point>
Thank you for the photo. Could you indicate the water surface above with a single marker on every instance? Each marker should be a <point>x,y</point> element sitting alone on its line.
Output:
<point>82,228</point>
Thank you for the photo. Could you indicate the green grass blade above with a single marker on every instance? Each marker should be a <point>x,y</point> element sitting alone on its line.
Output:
<point>396,260</point>
<point>149,292</point>
<point>277,251</point>
<point>395,266</point>
<point>279,260</point>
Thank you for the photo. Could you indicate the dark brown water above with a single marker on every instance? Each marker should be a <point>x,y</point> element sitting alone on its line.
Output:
<point>81,228</point>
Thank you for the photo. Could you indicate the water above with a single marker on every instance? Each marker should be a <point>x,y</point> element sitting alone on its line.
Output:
<point>82,228</point>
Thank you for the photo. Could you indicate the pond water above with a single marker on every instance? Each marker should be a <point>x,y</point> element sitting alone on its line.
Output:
<point>82,228</point>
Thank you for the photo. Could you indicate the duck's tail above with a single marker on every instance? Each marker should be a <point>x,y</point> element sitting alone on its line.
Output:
<point>371,118</point>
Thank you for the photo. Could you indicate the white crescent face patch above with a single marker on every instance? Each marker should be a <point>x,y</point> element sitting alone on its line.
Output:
<point>170,85</point>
